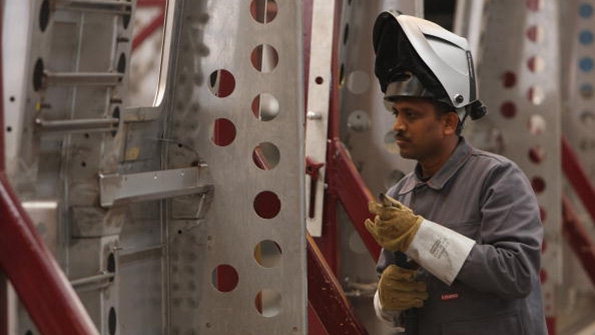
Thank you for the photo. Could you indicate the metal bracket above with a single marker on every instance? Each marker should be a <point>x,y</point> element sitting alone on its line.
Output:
<point>318,105</point>
<point>116,189</point>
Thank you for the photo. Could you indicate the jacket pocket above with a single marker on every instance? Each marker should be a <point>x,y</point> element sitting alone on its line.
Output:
<point>509,324</point>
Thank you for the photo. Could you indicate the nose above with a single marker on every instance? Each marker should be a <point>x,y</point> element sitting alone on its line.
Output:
<point>398,125</point>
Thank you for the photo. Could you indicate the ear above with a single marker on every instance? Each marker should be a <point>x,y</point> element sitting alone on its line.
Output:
<point>451,121</point>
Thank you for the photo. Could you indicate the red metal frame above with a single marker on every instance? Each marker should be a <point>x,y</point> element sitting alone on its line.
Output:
<point>35,275</point>
<point>577,176</point>
<point>148,30</point>
<point>578,238</point>
<point>353,193</point>
<point>326,296</point>
<point>29,265</point>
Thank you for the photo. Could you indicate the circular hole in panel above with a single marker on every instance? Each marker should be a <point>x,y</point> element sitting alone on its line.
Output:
<point>319,80</point>
<point>358,121</point>
<point>585,10</point>
<point>390,143</point>
<point>356,244</point>
<point>267,205</point>
<point>126,17</point>
<point>266,156</point>
<point>8,129</point>
<point>585,37</point>
<point>38,75</point>
<point>538,184</point>
<point>224,278</point>
<point>224,132</point>
<point>112,321</point>
<point>268,303</point>
<point>536,64</point>
<point>534,5</point>
<point>542,276</point>
<point>587,118</point>
<point>267,253</point>
<point>536,125</point>
<point>508,79</point>
<point>44,15</point>
<point>12,99</point>
<point>586,91</point>
<point>536,95</point>
<point>537,154</point>
<point>264,58</point>
<point>535,33</point>
<point>116,113</point>
<point>586,64</point>
<point>111,264</point>
<point>508,109</point>
<point>221,83</point>
<point>263,11</point>
<point>121,65</point>
<point>358,82</point>
<point>346,34</point>
<point>393,177</point>
<point>265,107</point>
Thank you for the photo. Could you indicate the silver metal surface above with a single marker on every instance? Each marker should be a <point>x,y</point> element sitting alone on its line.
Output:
<point>45,216</point>
<point>88,125</point>
<point>101,279</point>
<point>534,95</point>
<point>81,78</point>
<point>213,36</point>
<point>321,47</point>
<point>121,189</point>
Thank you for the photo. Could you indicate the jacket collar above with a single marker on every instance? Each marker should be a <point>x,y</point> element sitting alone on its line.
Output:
<point>456,160</point>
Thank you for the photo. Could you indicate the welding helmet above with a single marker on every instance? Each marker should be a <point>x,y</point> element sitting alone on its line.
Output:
<point>418,58</point>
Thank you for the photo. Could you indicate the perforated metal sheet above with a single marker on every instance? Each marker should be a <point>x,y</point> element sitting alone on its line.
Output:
<point>240,267</point>
<point>518,70</point>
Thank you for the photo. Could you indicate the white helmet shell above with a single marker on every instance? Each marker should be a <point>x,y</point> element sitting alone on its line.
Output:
<point>444,53</point>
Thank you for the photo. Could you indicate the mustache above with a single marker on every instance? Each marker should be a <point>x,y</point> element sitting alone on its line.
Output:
<point>401,137</point>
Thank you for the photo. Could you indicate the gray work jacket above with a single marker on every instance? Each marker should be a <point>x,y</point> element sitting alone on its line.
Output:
<point>487,198</point>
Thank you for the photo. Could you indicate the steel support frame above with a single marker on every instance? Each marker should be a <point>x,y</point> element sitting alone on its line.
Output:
<point>153,25</point>
<point>326,295</point>
<point>29,265</point>
<point>573,230</point>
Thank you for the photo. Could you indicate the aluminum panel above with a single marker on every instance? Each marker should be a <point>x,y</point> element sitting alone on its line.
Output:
<point>240,268</point>
<point>521,88</point>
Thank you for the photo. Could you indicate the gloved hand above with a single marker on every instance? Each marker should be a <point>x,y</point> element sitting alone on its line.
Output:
<point>398,290</point>
<point>394,226</point>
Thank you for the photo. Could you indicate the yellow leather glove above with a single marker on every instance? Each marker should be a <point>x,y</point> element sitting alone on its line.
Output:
<point>394,226</point>
<point>398,290</point>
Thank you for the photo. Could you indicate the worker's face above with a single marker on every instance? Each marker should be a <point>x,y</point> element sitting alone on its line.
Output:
<point>420,131</point>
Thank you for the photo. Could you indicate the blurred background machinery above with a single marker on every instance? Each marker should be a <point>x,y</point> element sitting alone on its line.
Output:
<point>204,167</point>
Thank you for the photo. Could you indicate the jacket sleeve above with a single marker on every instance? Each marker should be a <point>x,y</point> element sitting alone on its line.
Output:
<point>506,258</point>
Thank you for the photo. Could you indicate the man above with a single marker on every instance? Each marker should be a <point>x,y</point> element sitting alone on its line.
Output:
<point>461,235</point>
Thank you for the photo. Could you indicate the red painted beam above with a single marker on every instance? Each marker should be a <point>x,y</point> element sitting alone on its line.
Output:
<point>577,177</point>
<point>578,238</point>
<point>35,275</point>
<point>353,193</point>
<point>148,30</point>
<point>327,297</point>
